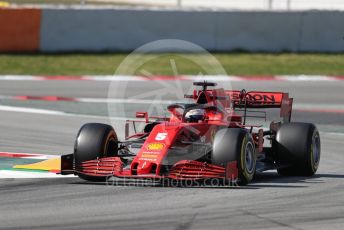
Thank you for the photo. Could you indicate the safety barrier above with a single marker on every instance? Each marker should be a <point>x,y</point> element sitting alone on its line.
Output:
<point>120,29</point>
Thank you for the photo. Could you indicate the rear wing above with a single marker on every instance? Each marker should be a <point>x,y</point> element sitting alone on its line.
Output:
<point>233,99</point>
<point>260,99</point>
<point>257,99</point>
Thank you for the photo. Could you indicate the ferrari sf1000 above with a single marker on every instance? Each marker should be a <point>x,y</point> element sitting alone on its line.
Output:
<point>206,139</point>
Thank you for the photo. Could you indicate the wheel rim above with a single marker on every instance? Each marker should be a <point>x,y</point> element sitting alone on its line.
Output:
<point>249,157</point>
<point>316,149</point>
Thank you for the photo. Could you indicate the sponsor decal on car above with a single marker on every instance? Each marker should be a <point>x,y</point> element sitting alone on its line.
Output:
<point>156,146</point>
<point>149,156</point>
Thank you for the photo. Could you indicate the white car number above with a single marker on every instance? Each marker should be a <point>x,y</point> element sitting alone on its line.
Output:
<point>161,136</point>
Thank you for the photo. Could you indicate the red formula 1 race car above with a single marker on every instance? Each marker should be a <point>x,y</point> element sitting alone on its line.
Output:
<point>206,139</point>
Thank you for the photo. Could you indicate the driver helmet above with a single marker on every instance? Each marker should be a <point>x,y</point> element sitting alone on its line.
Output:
<point>195,115</point>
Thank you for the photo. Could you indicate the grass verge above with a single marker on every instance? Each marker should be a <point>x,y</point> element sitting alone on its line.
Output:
<point>160,64</point>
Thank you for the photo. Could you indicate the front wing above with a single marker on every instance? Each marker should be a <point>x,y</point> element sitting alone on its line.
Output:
<point>182,170</point>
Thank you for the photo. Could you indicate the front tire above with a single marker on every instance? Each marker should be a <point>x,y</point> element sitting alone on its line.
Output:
<point>94,141</point>
<point>235,144</point>
<point>298,149</point>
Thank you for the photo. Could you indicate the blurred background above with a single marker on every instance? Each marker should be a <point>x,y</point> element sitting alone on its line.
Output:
<point>294,46</point>
<point>210,4</point>
<point>248,37</point>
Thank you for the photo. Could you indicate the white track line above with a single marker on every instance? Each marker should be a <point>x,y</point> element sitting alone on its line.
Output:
<point>114,78</point>
<point>30,110</point>
<point>56,113</point>
<point>100,100</point>
<point>122,101</point>
<point>35,156</point>
<point>13,174</point>
<point>307,78</point>
<point>20,78</point>
<point>318,106</point>
<point>333,133</point>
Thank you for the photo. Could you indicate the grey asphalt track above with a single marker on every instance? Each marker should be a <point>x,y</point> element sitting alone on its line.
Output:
<point>271,202</point>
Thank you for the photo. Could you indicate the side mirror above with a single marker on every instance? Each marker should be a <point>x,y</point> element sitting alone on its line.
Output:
<point>142,115</point>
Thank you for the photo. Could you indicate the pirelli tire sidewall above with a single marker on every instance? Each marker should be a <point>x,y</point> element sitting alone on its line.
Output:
<point>298,149</point>
<point>94,140</point>
<point>246,171</point>
<point>232,144</point>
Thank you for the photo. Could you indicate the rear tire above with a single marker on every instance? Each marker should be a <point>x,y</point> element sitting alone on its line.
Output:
<point>94,141</point>
<point>298,149</point>
<point>235,144</point>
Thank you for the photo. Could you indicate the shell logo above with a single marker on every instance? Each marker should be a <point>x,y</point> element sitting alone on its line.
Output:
<point>155,146</point>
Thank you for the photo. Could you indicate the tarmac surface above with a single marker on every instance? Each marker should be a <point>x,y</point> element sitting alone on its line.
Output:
<point>270,202</point>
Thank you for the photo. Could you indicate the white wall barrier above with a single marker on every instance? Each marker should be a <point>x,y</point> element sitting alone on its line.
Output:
<point>67,30</point>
